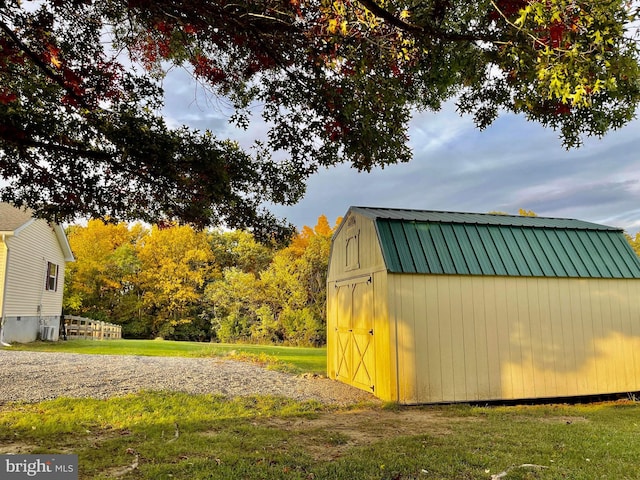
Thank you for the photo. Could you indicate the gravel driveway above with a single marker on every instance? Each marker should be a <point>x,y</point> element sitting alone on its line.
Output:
<point>36,376</point>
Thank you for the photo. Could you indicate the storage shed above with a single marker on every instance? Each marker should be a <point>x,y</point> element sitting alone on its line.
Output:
<point>430,307</point>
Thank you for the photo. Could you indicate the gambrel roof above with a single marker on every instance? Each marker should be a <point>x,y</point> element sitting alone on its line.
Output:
<point>431,242</point>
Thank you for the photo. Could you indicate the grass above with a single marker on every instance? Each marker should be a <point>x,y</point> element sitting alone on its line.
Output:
<point>169,435</point>
<point>156,435</point>
<point>294,359</point>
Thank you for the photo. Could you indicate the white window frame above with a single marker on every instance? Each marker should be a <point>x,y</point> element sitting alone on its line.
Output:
<point>51,277</point>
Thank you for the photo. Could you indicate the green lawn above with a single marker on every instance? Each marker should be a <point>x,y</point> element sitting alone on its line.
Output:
<point>174,436</point>
<point>192,437</point>
<point>292,358</point>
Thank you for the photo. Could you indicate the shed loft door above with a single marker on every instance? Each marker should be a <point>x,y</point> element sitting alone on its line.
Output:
<point>355,359</point>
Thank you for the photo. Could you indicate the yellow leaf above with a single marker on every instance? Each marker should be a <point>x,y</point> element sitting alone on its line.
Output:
<point>597,86</point>
<point>556,17</point>
<point>597,37</point>
<point>523,15</point>
<point>333,26</point>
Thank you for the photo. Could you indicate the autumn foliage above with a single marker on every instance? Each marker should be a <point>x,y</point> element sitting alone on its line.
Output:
<point>179,283</point>
<point>335,81</point>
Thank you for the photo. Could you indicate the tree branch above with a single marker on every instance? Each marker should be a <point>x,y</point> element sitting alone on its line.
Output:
<point>56,147</point>
<point>37,61</point>
<point>427,30</point>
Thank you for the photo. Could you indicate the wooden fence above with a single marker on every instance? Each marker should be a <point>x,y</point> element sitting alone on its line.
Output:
<point>80,327</point>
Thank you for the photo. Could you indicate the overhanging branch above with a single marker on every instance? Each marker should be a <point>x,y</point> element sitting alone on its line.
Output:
<point>430,31</point>
<point>37,61</point>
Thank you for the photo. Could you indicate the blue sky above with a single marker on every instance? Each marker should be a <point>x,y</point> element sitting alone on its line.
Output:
<point>512,164</point>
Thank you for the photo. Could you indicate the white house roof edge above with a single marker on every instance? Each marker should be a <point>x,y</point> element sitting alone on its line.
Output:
<point>64,243</point>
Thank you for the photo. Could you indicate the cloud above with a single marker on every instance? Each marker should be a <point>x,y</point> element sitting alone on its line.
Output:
<point>189,103</point>
<point>512,164</point>
<point>591,196</point>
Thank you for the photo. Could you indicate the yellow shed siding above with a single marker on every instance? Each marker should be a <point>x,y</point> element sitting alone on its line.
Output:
<point>433,344</point>
<point>363,287</point>
<point>369,256</point>
<point>404,332</point>
<point>465,338</point>
<point>332,317</point>
<point>385,341</point>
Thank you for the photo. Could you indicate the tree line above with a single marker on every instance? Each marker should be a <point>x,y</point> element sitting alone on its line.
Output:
<point>180,283</point>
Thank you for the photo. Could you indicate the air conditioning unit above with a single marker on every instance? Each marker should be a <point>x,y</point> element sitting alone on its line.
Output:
<point>47,333</point>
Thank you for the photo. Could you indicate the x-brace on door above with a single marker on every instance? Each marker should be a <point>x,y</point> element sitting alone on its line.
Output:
<point>355,355</point>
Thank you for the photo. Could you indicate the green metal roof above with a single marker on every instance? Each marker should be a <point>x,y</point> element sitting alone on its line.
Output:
<point>478,218</point>
<point>482,244</point>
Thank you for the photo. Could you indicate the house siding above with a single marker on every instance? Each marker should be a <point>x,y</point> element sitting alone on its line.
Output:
<point>25,294</point>
<point>3,271</point>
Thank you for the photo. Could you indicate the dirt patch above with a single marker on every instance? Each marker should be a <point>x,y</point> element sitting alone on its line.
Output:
<point>330,435</point>
<point>17,448</point>
<point>23,448</point>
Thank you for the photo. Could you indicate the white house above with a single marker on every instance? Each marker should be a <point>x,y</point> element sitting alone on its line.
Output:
<point>33,254</point>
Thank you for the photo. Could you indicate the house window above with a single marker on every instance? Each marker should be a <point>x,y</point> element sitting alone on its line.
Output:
<point>52,277</point>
